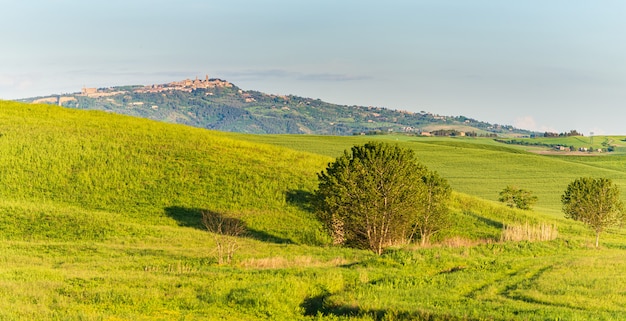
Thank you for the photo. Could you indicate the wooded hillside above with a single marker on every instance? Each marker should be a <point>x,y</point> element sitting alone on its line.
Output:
<point>218,104</point>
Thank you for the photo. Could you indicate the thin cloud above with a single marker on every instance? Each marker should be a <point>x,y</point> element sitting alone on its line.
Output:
<point>331,77</point>
<point>18,83</point>
<point>526,122</point>
<point>529,123</point>
<point>130,74</point>
<point>280,73</point>
<point>14,87</point>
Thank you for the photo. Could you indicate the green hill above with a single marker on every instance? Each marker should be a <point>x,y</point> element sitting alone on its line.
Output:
<point>218,104</point>
<point>479,167</point>
<point>101,161</point>
<point>100,220</point>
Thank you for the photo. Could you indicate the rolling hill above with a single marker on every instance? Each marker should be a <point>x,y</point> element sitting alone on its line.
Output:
<point>101,220</point>
<point>218,104</point>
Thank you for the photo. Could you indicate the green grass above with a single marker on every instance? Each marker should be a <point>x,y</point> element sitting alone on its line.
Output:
<point>517,281</point>
<point>617,143</point>
<point>149,171</point>
<point>100,220</point>
<point>478,167</point>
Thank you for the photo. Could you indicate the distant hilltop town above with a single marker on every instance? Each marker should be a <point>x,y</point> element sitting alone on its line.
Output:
<point>186,85</point>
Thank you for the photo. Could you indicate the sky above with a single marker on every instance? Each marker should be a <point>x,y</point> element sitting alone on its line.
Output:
<point>544,65</point>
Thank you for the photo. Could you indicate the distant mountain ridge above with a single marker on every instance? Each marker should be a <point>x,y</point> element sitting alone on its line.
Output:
<point>214,103</point>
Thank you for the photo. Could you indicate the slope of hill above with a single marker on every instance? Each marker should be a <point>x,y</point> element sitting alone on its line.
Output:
<point>479,167</point>
<point>218,104</point>
<point>100,220</point>
<point>143,168</point>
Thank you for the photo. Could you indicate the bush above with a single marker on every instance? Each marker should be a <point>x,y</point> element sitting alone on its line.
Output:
<point>517,198</point>
<point>378,195</point>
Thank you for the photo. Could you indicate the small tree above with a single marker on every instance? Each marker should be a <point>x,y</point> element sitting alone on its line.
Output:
<point>433,214</point>
<point>225,232</point>
<point>371,197</point>
<point>595,202</point>
<point>517,198</point>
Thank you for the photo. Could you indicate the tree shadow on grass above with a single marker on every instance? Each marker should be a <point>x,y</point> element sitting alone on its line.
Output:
<point>302,199</point>
<point>318,305</point>
<point>192,217</point>
<point>186,217</point>
<point>486,221</point>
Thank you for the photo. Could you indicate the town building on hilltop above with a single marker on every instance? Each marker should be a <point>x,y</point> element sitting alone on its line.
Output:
<point>198,83</point>
<point>187,85</point>
<point>86,91</point>
<point>94,92</point>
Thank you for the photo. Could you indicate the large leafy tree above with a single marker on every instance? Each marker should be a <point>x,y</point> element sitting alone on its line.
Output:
<point>371,196</point>
<point>595,202</point>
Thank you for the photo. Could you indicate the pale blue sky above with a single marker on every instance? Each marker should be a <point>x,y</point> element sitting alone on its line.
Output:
<point>538,64</point>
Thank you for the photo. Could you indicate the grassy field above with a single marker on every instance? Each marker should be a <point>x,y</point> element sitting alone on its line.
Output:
<point>100,220</point>
<point>479,167</point>
<point>592,143</point>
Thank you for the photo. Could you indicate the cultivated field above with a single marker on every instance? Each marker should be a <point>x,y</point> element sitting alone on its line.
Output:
<point>101,220</point>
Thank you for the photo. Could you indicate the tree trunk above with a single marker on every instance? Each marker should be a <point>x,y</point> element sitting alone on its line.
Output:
<point>597,238</point>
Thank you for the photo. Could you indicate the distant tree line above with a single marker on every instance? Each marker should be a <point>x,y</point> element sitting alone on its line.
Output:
<point>526,142</point>
<point>456,133</point>
<point>572,132</point>
<point>446,132</point>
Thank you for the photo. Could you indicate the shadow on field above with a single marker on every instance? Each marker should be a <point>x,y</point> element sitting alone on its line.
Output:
<point>192,217</point>
<point>301,199</point>
<point>486,221</point>
<point>317,305</point>
<point>186,217</point>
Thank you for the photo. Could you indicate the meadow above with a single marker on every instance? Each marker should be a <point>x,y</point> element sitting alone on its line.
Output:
<point>100,219</point>
<point>477,166</point>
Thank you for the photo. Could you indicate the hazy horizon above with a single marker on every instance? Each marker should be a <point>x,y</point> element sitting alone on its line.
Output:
<point>544,66</point>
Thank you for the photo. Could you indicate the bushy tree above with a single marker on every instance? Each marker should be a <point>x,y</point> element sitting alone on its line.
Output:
<point>432,215</point>
<point>595,202</point>
<point>372,196</point>
<point>517,198</point>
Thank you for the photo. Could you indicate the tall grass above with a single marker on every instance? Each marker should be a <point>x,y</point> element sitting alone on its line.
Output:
<point>531,233</point>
